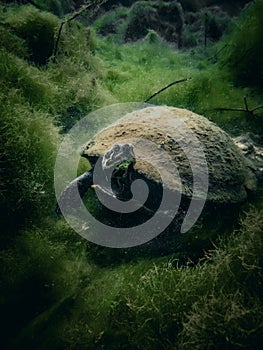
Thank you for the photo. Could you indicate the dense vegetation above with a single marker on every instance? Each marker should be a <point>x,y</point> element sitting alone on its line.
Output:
<point>59,292</point>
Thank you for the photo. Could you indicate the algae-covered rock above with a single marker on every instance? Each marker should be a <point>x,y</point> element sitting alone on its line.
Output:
<point>230,174</point>
<point>192,168</point>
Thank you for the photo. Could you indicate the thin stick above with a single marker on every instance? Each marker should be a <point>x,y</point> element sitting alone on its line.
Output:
<point>221,109</point>
<point>255,108</point>
<point>206,28</point>
<point>55,50</point>
<point>246,105</point>
<point>71,18</point>
<point>166,87</point>
<point>247,110</point>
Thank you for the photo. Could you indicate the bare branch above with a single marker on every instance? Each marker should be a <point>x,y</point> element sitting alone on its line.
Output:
<point>93,4</point>
<point>246,105</point>
<point>166,87</point>
<point>246,110</point>
<point>221,109</point>
<point>256,108</point>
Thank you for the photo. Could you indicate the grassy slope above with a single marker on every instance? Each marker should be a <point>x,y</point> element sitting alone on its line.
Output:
<point>138,70</point>
<point>49,282</point>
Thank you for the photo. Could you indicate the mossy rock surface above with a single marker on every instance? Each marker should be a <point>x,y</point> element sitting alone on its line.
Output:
<point>170,129</point>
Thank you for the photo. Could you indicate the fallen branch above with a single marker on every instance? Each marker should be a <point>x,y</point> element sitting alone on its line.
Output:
<point>95,4</point>
<point>166,87</point>
<point>245,110</point>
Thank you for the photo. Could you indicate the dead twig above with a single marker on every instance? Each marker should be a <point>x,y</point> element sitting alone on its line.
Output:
<point>245,110</point>
<point>256,108</point>
<point>94,4</point>
<point>166,87</point>
<point>246,105</point>
<point>206,29</point>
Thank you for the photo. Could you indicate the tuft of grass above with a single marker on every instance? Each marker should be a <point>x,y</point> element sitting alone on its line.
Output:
<point>28,147</point>
<point>13,43</point>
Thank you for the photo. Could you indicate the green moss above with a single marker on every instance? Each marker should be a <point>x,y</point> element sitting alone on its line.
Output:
<point>28,81</point>
<point>124,165</point>
<point>144,304</point>
<point>160,310</point>
<point>36,28</point>
<point>12,43</point>
<point>28,148</point>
